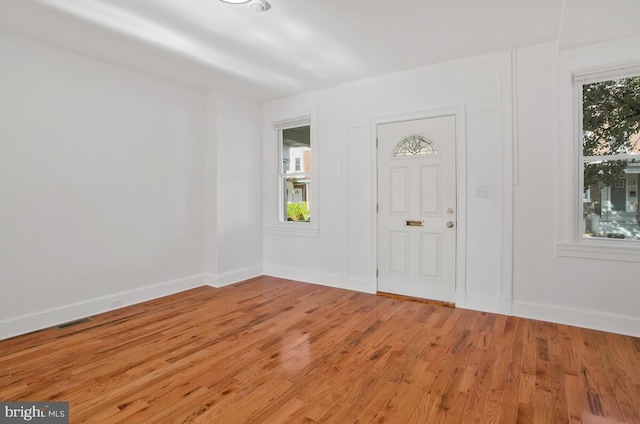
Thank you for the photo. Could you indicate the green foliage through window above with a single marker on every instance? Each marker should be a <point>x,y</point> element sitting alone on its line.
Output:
<point>298,211</point>
<point>611,125</point>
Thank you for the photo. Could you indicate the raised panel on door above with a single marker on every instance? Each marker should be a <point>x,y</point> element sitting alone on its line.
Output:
<point>430,255</point>
<point>400,186</point>
<point>398,252</point>
<point>430,190</point>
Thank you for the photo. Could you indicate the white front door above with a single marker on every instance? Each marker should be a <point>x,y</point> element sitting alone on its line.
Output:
<point>417,208</point>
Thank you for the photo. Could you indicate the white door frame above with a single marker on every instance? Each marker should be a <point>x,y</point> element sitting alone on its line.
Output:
<point>461,188</point>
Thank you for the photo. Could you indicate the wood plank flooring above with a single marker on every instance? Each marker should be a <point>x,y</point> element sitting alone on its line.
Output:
<point>276,351</point>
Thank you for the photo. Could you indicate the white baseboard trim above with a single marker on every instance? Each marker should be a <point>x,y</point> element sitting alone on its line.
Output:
<point>464,300</point>
<point>323,279</point>
<point>361,285</point>
<point>47,318</point>
<point>479,303</point>
<point>235,276</point>
<point>614,323</point>
<point>505,305</point>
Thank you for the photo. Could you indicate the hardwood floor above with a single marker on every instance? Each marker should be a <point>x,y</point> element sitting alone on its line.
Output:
<point>277,351</point>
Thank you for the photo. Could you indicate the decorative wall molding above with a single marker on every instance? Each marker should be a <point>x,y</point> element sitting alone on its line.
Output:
<point>47,318</point>
<point>508,122</point>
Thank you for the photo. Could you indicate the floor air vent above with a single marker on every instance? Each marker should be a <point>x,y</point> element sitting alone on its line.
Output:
<point>72,323</point>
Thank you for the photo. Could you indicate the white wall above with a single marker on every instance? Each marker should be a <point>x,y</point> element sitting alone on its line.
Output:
<point>234,188</point>
<point>595,292</point>
<point>101,186</point>
<point>476,84</point>
<point>344,253</point>
<point>315,258</point>
<point>117,187</point>
<point>526,278</point>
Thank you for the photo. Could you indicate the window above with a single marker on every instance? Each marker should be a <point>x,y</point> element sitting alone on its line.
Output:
<point>610,153</point>
<point>582,196</point>
<point>293,186</point>
<point>295,175</point>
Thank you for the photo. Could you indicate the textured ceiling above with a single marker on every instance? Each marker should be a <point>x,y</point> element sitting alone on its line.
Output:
<point>296,46</point>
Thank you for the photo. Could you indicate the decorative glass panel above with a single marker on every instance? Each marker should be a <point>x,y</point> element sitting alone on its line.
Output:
<point>415,145</point>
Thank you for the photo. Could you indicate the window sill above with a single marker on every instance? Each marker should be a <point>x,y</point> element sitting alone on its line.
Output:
<point>293,229</point>
<point>604,250</point>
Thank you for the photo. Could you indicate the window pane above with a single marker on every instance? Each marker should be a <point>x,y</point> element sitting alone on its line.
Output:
<point>296,150</point>
<point>611,117</point>
<point>610,200</point>
<point>296,198</point>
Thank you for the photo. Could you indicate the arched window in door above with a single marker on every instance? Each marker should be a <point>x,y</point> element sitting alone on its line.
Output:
<point>415,145</point>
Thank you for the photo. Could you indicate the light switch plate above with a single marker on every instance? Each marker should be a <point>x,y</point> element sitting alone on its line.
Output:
<point>482,191</point>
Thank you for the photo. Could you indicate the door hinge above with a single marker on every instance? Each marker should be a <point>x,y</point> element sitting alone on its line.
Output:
<point>377,208</point>
<point>376,142</point>
<point>376,272</point>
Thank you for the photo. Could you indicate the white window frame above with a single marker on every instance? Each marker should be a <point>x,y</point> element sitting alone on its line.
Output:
<point>604,62</point>
<point>293,228</point>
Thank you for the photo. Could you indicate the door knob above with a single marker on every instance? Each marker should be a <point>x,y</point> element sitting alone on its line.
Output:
<point>450,224</point>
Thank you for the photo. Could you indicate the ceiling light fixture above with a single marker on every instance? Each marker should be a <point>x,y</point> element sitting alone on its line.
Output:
<point>255,5</point>
<point>259,5</point>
